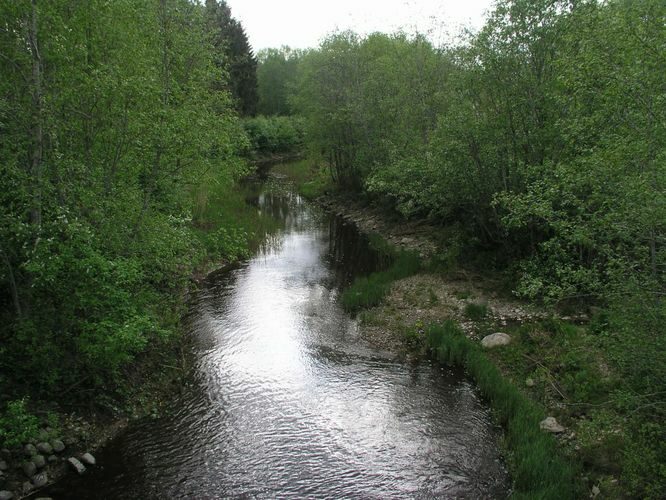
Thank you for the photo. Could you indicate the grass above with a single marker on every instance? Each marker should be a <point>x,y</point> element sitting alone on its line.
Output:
<point>369,291</point>
<point>476,311</point>
<point>538,468</point>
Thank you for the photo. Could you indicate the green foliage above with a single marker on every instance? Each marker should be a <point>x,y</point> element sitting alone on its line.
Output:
<point>541,137</point>
<point>275,134</point>
<point>277,74</point>
<point>368,291</point>
<point>476,311</point>
<point>538,469</point>
<point>234,56</point>
<point>106,140</point>
<point>17,424</point>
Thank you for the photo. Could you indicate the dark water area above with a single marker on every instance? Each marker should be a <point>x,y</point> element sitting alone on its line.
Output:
<point>286,400</point>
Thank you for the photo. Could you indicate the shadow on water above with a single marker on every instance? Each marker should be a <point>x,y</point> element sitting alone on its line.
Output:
<point>285,399</point>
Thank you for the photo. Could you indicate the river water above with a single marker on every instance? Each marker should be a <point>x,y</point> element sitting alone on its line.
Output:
<point>285,399</point>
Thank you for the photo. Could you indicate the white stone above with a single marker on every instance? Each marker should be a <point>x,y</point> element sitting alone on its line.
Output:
<point>495,340</point>
<point>549,424</point>
<point>76,465</point>
<point>88,459</point>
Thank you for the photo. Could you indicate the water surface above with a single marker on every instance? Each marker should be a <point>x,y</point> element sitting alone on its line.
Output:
<point>286,400</point>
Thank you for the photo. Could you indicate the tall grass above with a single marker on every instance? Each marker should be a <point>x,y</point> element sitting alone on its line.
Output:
<point>538,469</point>
<point>369,291</point>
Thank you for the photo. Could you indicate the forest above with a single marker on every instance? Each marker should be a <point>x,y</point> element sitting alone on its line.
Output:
<point>537,144</point>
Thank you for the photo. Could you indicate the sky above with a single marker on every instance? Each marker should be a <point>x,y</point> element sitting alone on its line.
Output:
<point>302,23</point>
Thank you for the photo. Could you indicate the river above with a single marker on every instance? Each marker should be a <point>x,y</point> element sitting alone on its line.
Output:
<point>286,400</point>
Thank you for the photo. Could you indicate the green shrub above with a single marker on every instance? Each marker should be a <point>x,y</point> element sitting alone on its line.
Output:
<point>17,424</point>
<point>275,134</point>
<point>476,311</point>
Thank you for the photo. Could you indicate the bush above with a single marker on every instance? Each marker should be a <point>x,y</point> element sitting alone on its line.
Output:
<point>17,425</point>
<point>476,312</point>
<point>275,134</point>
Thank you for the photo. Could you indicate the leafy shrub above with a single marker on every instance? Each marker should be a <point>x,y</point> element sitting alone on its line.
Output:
<point>275,134</point>
<point>17,424</point>
<point>476,311</point>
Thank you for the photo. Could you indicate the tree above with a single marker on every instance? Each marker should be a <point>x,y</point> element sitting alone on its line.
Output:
<point>234,55</point>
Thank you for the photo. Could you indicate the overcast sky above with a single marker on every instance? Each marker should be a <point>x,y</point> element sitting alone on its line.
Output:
<point>302,23</point>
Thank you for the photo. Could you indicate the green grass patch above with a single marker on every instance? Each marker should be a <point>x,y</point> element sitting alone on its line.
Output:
<point>369,291</point>
<point>537,466</point>
<point>476,311</point>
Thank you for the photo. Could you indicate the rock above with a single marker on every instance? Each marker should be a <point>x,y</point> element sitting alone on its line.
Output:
<point>549,424</point>
<point>3,465</point>
<point>5,453</point>
<point>45,448</point>
<point>29,469</point>
<point>88,459</point>
<point>43,435</point>
<point>58,446</point>
<point>6,495</point>
<point>52,459</point>
<point>595,491</point>
<point>76,465</point>
<point>40,480</point>
<point>495,340</point>
<point>530,382</point>
<point>27,487</point>
<point>30,450</point>
<point>39,461</point>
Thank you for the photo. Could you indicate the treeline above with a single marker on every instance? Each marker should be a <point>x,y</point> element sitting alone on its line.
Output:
<point>542,135</point>
<point>540,144</point>
<point>117,121</point>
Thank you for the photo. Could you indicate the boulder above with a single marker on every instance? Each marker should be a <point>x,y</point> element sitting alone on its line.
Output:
<point>76,465</point>
<point>51,459</point>
<point>29,450</point>
<point>6,495</point>
<point>549,424</point>
<point>530,382</point>
<point>495,340</point>
<point>88,459</point>
<point>29,469</point>
<point>3,465</point>
<point>44,448</point>
<point>40,480</point>
<point>39,461</point>
<point>58,446</point>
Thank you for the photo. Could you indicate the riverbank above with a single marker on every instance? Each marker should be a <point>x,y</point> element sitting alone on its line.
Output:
<point>554,361</point>
<point>225,228</point>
